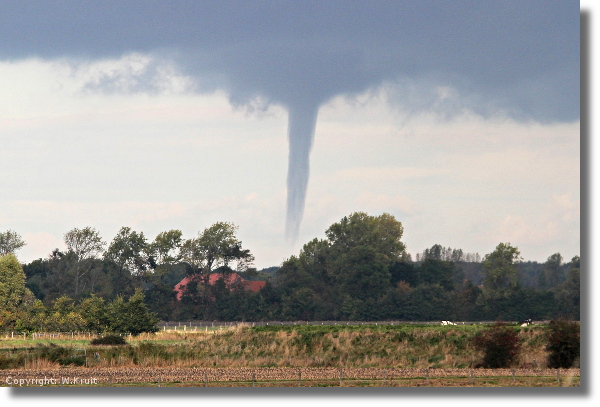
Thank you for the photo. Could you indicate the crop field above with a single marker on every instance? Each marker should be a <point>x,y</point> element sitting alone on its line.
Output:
<point>291,377</point>
<point>276,356</point>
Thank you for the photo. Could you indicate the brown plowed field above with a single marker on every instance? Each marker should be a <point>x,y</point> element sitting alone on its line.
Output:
<point>285,376</point>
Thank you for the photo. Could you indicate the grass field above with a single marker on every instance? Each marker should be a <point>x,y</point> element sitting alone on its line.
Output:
<point>385,349</point>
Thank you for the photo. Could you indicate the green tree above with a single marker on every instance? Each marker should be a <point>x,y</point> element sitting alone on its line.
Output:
<point>166,247</point>
<point>568,293</point>
<point>300,304</point>
<point>500,272</point>
<point>63,317</point>
<point>12,283</point>
<point>95,314</point>
<point>349,272</point>
<point>553,271</point>
<point>381,233</point>
<point>32,316</point>
<point>440,272</point>
<point>362,249</point>
<point>86,245</point>
<point>217,247</point>
<point>466,302</point>
<point>141,319</point>
<point>130,251</point>
<point>10,242</point>
<point>131,316</point>
<point>430,303</point>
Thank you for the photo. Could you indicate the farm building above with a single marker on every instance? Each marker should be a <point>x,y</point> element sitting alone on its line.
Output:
<point>231,280</point>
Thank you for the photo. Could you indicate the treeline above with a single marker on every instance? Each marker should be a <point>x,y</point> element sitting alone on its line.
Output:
<point>21,311</point>
<point>360,271</point>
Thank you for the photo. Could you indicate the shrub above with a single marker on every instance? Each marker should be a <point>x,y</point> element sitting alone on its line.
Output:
<point>109,340</point>
<point>64,356</point>
<point>563,344</point>
<point>500,344</point>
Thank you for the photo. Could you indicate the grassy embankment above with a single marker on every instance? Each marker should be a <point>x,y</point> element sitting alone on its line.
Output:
<point>366,346</point>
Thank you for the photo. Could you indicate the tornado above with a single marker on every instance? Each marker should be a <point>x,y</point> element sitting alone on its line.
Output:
<point>302,121</point>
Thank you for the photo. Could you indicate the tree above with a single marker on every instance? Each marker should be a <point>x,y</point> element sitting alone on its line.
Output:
<point>216,247</point>
<point>166,247</point>
<point>12,287</point>
<point>568,293</point>
<point>500,344</point>
<point>10,242</point>
<point>500,272</point>
<point>382,233</point>
<point>94,312</point>
<point>132,316</point>
<point>130,251</point>
<point>563,344</point>
<point>429,303</point>
<point>63,317</point>
<point>440,272</point>
<point>553,274</point>
<point>12,283</point>
<point>86,245</point>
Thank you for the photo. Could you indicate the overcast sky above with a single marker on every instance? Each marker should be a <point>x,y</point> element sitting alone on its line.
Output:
<point>461,119</point>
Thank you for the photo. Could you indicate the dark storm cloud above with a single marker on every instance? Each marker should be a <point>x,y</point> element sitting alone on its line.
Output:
<point>520,55</point>
<point>520,58</point>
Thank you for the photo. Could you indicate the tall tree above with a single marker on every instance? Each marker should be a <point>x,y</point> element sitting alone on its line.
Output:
<point>382,233</point>
<point>132,316</point>
<point>434,271</point>
<point>362,250</point>
<point>130,251</point>
<point>10,242</point>
<point>217,247</point>
<point>553,271</point>
<point>569,292</point>
<point>166,247</point>
<point>12,284</point>
<point>87,245</point>
<point>500,272</point>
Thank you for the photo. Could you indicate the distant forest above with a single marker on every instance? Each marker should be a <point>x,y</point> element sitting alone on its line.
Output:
<point>360,271</point>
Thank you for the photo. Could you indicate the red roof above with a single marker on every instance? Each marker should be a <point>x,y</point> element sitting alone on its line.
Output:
<point>230,280</point>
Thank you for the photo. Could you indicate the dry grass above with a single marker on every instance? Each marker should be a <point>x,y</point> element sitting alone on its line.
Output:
<point>305,347</point>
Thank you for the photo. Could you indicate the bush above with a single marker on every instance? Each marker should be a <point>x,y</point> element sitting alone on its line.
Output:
<point>109,340</point>
<point>563,344</point>
<point>64,356</point>
<point>500,344</point>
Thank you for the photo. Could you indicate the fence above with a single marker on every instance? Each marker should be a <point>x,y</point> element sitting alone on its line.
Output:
<point>205,325</point>
<point>196,325</point>
<point>49,335</point>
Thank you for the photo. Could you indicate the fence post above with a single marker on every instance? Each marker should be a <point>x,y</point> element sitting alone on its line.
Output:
<point>427,375</point>
<point>471,374</point>
<point>253,377</point>
<point>513,375</point>
<point>341,377</point>
<point>299,377</point>
<point>558,376</point>
<point>158,381</point>
<point>205,379</point>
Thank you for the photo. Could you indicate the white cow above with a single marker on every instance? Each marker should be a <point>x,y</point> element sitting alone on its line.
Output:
<point>448,323</point>
<point>527,322</point>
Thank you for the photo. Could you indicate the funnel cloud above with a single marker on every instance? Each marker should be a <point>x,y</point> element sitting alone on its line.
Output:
<point>301,131</point>
<point>515,58</point>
